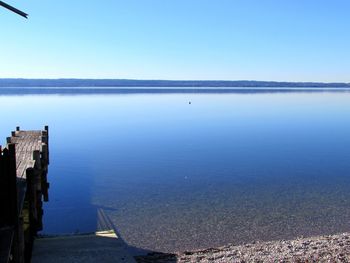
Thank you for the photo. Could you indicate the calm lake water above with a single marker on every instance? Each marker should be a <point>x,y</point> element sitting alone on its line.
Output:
<point>169,175</point>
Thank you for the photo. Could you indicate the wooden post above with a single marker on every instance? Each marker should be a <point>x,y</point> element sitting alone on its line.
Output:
<point>45,186</point>
<point>47,135</point>
<point>18,245</point>
<point>6,187</point>
<point>44,154</point>
<point>45,161</point>
<point>44,137</point>
<point>12,176</point>
<point>18,128</point>
<point>32,200</point>
<point>37,159</point>
<point>6,217</point>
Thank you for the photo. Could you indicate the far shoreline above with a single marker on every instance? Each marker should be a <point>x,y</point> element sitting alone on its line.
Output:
<point>77,90</point>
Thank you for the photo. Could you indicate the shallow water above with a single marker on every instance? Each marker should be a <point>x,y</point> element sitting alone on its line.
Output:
<point>169,175</point>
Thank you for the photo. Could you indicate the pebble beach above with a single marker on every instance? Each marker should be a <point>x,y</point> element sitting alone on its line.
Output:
<point>332,248</point>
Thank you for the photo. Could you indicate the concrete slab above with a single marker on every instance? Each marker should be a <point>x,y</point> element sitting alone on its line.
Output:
<point>104,246</point>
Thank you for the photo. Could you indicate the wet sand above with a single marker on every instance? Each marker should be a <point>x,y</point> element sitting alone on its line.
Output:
<point>333,248</point>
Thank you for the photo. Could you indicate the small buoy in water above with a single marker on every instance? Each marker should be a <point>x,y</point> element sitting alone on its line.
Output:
<point>189,102</point>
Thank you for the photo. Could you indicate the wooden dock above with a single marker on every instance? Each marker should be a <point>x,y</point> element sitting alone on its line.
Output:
<point>23,188</point>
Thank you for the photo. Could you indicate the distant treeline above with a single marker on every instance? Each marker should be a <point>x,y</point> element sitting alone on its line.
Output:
<point>161,83</point>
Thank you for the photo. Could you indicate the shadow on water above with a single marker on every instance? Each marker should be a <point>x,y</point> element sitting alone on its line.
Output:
<point>104,223</point>
<point>82,217</point>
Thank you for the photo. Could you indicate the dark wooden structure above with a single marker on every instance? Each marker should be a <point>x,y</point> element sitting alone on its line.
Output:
<point>23,187</point>
<point>15,10</point>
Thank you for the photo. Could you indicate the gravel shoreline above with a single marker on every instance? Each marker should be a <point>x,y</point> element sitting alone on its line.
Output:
<point>334,248</point>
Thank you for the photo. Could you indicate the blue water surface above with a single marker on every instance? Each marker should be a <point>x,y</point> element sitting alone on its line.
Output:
<point>170,175</point>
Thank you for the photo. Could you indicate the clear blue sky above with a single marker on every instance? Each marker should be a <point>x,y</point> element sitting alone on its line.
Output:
<point>292,40</point>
